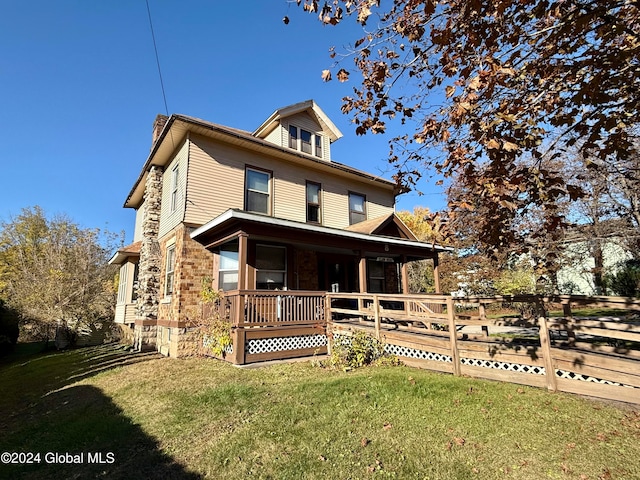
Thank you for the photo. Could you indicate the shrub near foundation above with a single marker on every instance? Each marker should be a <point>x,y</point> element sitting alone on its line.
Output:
<point>215,331</point>
<point>358,350</point>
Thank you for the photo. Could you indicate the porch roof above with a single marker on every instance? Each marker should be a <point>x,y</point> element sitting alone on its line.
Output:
<point>235,221</point>
<point>132,250</point>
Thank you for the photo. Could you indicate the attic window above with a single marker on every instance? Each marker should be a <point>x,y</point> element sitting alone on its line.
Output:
<point>305,141</point>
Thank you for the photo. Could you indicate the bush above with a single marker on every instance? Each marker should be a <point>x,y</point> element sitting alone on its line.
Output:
<point>626,281</point>
<point>9,329</point>
<point>358,350</point>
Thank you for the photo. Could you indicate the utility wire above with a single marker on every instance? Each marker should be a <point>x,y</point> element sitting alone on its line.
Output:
<point>153,37</point>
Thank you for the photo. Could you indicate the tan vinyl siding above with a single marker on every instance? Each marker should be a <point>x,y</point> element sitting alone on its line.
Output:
<point>125,313</point>
<point>137,232</point>
<point>216,184</point>
<point>170,219</point>
<point>277,136</point>
<point>215,178</point>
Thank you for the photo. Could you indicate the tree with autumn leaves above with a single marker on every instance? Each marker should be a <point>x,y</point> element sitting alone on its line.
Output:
<point>493,95</point>
<point>53,272</point>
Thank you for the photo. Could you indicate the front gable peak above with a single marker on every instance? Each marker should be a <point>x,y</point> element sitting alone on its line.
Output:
<point>302,126</point>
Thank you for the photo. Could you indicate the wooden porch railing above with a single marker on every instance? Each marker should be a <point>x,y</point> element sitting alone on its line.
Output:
<point>263,308</point>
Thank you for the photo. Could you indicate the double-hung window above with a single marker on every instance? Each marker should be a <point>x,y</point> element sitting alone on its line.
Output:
<point>314,212</point>
<point>257,191</point>
<point>293,137</point>
<point>305,141</point>
<point>174,188</point>
<point>318,146</point>
<point>357,208</point>
<point>169,271</point>
<point>228,271</point>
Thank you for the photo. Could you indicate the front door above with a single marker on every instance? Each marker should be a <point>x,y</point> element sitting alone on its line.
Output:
<point>337,273</point>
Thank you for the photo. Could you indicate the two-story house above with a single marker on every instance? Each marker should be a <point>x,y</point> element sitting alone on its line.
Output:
<point>258,210</point>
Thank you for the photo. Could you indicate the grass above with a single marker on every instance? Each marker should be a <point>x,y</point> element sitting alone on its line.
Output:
<point>195,418</point>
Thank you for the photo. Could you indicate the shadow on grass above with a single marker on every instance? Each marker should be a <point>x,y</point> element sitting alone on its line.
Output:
<point>28,378</point>
<point>81,424</point>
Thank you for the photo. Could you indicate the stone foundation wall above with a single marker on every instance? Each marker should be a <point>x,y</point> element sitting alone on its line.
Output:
<point>145,337</point>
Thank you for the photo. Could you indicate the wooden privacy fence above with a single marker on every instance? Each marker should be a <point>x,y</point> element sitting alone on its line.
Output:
<point>595,355</point>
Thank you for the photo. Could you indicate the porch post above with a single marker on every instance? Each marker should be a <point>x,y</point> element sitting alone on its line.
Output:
<point>436,272</point>
<point>362,275</point>
<point>242,261</point>
<point>405,275</point>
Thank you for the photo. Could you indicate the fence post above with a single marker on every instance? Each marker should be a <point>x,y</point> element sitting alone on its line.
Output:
<point>545,344</point>
<point>376,315</point>
<point>453,336</point>
<point>568,317</point>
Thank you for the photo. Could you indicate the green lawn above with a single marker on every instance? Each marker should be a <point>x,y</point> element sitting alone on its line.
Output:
<point>164,418</point>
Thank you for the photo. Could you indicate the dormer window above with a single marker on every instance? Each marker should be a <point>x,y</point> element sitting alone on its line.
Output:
<point>305,141</point>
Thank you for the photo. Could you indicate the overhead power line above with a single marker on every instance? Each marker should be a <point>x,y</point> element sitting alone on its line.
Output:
<point>155,48</point>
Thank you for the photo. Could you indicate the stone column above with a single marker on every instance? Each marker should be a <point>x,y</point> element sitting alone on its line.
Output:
<point>150,262</point>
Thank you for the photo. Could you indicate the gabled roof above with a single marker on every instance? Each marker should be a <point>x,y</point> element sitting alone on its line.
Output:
<point>383,225</point>
<point>122,254</point>
<point>309,106</point>
<point>178,127</point>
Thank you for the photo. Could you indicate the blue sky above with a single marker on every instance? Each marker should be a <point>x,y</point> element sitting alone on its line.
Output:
<point>79,90</point>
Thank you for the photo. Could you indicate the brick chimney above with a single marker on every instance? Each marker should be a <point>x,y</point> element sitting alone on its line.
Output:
<point>158,125</point>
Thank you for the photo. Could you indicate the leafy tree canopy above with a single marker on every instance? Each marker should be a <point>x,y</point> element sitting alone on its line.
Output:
<point>52,270</point>
<point>493,93</point>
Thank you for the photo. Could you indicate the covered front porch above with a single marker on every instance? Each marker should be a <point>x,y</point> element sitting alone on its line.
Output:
<point>275,275</point>
<point>258,252</point>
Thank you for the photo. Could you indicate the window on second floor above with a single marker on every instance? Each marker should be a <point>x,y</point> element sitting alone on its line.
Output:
<point>171,265</point>
<point>314,212</point>
<point>257,191</point>
<point>357,208</point>
<point>174,188</point>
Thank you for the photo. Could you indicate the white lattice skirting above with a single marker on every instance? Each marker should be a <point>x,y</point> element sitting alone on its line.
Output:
<point>509,367</point>
<point>279,344</point>
<point>587,378</point>
<point>401,351</point>
<point>206,342</point>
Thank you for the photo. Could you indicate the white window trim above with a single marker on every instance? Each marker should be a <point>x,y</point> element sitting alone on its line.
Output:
<point>170,269</point>
<point>364,206</point>
<point>307,203</point>
<point>269,189</point>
